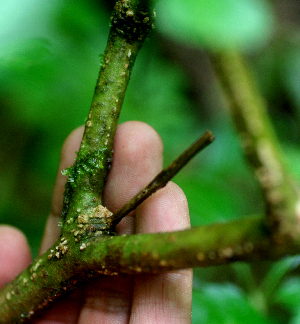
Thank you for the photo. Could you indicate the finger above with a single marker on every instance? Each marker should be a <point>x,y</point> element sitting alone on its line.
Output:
<point>164,298</point>
<point>68,155</point>
<point>165,211</point>
<point>14,253</point>
<point>136,161</point>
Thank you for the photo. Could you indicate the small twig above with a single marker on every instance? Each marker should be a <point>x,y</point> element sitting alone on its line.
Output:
<point>163,177</point>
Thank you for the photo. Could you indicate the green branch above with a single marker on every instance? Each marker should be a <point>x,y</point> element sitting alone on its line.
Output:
<point>243,240</point>
<point>130,24</point>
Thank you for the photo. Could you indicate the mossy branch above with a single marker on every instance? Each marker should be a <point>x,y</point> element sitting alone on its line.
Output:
<point>130,24</point>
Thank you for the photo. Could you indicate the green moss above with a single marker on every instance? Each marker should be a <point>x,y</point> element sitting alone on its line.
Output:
<point>85,166</point>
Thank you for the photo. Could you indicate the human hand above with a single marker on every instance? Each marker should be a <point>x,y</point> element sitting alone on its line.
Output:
<point>162,298</point>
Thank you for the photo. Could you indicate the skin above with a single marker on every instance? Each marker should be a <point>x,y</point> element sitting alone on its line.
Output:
<point>163,298</point>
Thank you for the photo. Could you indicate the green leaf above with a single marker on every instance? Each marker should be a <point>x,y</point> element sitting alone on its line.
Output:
<point>289,293</point>
<point>216,24</point>
<point>22,55</point>
<point>290,61</point>
<point>287,298</point>
<point>223,304</point>
<point>161,101</point>
<point>292,156</point>
<point>277,273</point>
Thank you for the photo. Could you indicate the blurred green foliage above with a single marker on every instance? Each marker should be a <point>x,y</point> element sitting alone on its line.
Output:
<point>217,24</point>
<point>49,62</point>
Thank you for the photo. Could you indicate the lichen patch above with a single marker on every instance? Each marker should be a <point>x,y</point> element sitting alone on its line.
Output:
<point>83,219</point>
<point>101,212</point>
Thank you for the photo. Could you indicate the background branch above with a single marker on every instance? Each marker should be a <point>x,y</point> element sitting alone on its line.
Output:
<point>260,145</point>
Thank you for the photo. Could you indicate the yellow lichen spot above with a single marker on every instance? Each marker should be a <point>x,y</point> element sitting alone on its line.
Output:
<point>163,263</point>
<point>200,256</point>
<point>101,212</point>
<point>154,255</point>
<point>38,263</point>
<point>129,13</point>
<point>83,219</point>
<point>63,247</point>
<point>82,246</point>
<point>227,252</point>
